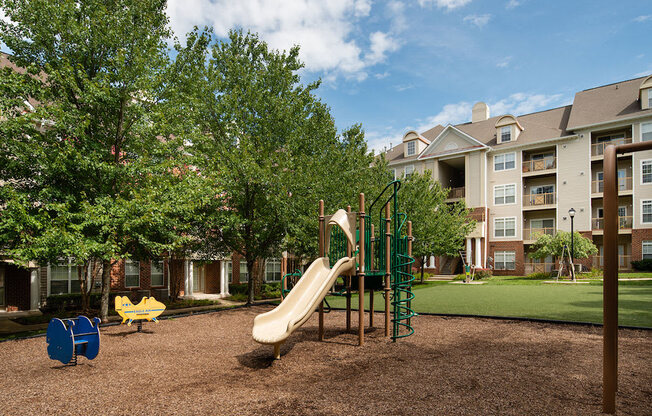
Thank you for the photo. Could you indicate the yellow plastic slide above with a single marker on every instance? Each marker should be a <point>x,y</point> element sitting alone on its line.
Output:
<point>275,326</point>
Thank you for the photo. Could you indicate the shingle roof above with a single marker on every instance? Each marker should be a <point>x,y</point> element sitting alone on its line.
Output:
<point>538,126</point>
<point>607,103</point>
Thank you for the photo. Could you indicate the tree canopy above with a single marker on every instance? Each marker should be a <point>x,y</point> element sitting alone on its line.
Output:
<point>93,170</point>
<point>553,245</point>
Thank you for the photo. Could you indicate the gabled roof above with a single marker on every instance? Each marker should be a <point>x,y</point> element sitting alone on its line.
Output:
<point>429,151</point>
<point>611,102</point>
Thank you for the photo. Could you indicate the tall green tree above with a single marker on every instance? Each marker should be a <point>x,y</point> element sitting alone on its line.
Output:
<point>273,149</point>
<point>88,173</point>
<point>439,228</point>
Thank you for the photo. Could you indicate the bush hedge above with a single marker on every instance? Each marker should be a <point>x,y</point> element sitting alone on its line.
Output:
<point>644,265</point>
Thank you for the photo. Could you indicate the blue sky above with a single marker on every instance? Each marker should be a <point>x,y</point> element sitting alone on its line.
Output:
<point>399,65</point>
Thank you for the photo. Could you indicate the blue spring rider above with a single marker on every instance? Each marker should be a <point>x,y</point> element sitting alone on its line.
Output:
<point>72,337</point>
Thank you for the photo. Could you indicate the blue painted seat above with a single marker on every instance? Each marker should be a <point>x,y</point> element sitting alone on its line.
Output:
<point>74,337</point>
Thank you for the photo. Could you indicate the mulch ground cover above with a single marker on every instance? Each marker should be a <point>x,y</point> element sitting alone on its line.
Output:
<point>209,365</point>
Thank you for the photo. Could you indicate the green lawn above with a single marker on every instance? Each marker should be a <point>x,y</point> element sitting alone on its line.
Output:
<point>522,297</point>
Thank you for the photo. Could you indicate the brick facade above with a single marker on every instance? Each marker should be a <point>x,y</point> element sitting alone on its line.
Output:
<point>638,236</point>
<point>118,277</point>
<point>516,246</point>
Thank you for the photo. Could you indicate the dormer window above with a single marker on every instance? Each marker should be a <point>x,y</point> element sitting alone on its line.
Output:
<point>507,129</point>
<point>505,134</point>
<point>411,148</point>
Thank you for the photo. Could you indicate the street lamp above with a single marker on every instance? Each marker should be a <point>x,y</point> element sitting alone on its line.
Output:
<point>571,213</point>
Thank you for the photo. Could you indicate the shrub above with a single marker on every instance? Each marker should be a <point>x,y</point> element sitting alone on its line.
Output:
<point>538,276</point>
<point>644,265</point>
<point>482,274</point>
<point>238,288</point>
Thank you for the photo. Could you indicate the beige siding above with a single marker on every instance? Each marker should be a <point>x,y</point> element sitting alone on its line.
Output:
<point>574,183</point>
<point>641,192</point>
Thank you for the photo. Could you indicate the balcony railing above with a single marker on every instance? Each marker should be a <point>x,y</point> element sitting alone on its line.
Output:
<point>534,200</point>
<point>539,267</point>
<point>455,193</point>
<point>534,233</point>
<point>624,262</point>
<point>534,165</point>
<point>597,149</point>
<point>624,184</point>
<point>624,222</point>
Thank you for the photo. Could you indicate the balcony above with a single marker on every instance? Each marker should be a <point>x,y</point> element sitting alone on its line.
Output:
<point>531,234</point>
<point>539,165</point>
<point>456,193</point>
<point>624,184</point>
<point>597,149</point>
<point>539,267</point>
<point>624,262</point>
<point>539,201</point>
<point>624,223</point>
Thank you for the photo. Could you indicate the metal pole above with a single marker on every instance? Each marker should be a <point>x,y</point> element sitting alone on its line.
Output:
<point>371,292</point>
<point>361,273</point>
<point>349,250</point>
<point>284,271</point>
<point>610,286</point>
<point>409,232</point>
<point>388,267</point>
<point>322,250</point>
<point>572,253</point>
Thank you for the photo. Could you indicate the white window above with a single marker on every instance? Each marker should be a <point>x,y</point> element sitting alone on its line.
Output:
<point>157,273</point>
<point>647,248</point>
<point>542,224</point>
<point>505,134</point>
<point>409,169</point>
<point>411,148</point>
<point>649,98</point>
<point>229,270</point>
<point>393,173</point>
<point>505,260</point>
<point>64,278</point>
<point>244,274</point>
<point>646,209</point>
<point>646,171</point>
<point>646,128</point>
<point>505,227</point>
<point>132,273</point>
<point>504,194</point>
<point>505,161</point>
<point>273,270</point>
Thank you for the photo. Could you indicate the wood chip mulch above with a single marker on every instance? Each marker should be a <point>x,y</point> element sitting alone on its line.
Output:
<point>209,365</point>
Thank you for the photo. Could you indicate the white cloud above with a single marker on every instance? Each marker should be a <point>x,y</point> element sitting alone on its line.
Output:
<point>643,18</point>
<point>445,4</point>
<point>381,43</point>
<point>644,73</point>
<point>324,29</point>
<point>478,20</point>
<point>403,87</point>
<point>383,75</point>
<point>450,114</point>
<point>512,4</point>
<point>504,63</point>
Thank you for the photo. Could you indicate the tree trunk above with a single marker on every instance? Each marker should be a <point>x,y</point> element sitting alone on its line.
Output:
<point>81,275</point>
<point>251,282</point>
<point>106,286</point>
<point>175,277</point>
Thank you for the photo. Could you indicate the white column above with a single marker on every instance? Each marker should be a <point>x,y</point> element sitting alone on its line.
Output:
<point>224,279</point>
<point>478,252</point>
<point>34,285</point>
<point>186,267</point>
<point>469,247</point>
<point>432,262</point>
<point>190,277</point>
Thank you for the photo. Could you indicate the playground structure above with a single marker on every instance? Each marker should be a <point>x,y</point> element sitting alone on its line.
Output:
<point>147,309</point>
<point>67,339</point>
<point>380,259</point>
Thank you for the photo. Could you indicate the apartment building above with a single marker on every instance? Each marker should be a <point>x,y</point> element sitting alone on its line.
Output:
<point>522,174</point>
